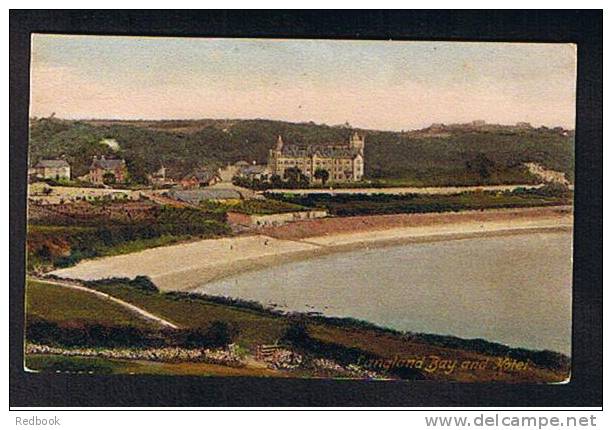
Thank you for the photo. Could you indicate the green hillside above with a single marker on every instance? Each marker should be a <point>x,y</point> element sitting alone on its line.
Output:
<point>453,155</point>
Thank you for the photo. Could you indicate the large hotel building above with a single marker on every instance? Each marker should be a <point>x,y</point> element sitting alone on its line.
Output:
<point>343,161</point>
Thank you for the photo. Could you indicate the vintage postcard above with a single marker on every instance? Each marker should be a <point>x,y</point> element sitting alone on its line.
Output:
<point>356,209</point>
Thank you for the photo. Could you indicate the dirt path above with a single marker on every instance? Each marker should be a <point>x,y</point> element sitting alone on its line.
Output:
<point>132,308</point>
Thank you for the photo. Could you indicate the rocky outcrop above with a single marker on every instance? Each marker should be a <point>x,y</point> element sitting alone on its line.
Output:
<point>547,175</point>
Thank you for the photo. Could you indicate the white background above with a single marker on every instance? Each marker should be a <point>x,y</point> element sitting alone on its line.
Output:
<point>255,420</point>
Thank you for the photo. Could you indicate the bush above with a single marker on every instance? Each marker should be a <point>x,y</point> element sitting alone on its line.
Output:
<point>554,189</point>
<point>94,335</point>
<point>222,300</point>
<point>218,334</point>
<point>76,334</point>
<point>143,283</point>
<point>297,334</point>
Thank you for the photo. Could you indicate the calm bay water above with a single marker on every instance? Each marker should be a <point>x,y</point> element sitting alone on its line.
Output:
<point>514,290</point>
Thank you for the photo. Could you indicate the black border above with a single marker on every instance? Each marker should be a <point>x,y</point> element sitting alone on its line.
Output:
<point>581,27</point>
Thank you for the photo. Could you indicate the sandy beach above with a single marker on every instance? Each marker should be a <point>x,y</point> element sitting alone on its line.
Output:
<point>186,266</point>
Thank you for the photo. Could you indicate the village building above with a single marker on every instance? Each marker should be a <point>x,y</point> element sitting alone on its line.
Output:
<point>244,170</point>
<point>51,169</point>
<point>228,172</point>
<point>241,164</point>
<point>344,162</point>
<point>254,171</point>
<point>104,170</point>
<point>160,177</point>
<point>200,178</point>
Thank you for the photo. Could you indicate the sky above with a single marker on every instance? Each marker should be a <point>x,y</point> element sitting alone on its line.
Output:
<point>386,85</point>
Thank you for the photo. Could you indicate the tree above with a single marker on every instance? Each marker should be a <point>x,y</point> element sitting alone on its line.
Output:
<point>138,170</point>
<point>144,283</point>
<point>109,178</point>
<point>482,165</point>
<point>276,181</point>
<point>297,334</point>
<point>322,175</point>
<point>293,176</point>
<point>44,253</point>
<point>220,333</point>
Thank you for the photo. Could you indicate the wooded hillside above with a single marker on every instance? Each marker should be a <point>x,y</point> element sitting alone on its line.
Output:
<point>444,155</point>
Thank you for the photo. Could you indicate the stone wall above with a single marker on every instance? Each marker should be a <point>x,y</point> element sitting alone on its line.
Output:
<point>235,218</point>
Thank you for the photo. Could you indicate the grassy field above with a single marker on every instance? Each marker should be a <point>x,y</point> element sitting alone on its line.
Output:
<point>343,340</point>
<point>99,366</point>
<point>62,305</point>
<point>55,363</point>
<point>190,311</point>
<point>251,207</point>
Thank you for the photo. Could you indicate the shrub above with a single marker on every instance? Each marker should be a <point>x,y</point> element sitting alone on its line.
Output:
<point>218,334</point>
<point>297,334</point>
<point>72,334</point>
<point>143,283</point>
<point>554,189</point>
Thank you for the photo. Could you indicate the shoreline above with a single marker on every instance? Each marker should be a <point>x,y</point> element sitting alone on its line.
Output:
<point>184,267</point>
<point>237,268</point>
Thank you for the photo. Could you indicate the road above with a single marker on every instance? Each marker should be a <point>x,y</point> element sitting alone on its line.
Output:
<point>404,190</point>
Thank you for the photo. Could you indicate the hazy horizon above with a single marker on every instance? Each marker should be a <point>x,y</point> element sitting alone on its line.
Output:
<point>381,85</point>
<point>291,122</point>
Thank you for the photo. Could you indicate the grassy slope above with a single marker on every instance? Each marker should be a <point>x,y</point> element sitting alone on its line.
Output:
<point>262,327</point>
<point>254,327</point>
<point>57,304</point>
<point>100,366</point>
<point>250,207</point>
<point>61,239</point>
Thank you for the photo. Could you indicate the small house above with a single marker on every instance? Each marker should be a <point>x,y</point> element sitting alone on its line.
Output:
<point>254,171</point>
<point>51,169</point>
<point>200,178</point>
<point>107,170</point>
<point>160,177</point>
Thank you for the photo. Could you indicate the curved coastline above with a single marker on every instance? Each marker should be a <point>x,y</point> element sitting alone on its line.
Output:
<point>206,275</point>
<point>184,267</point>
